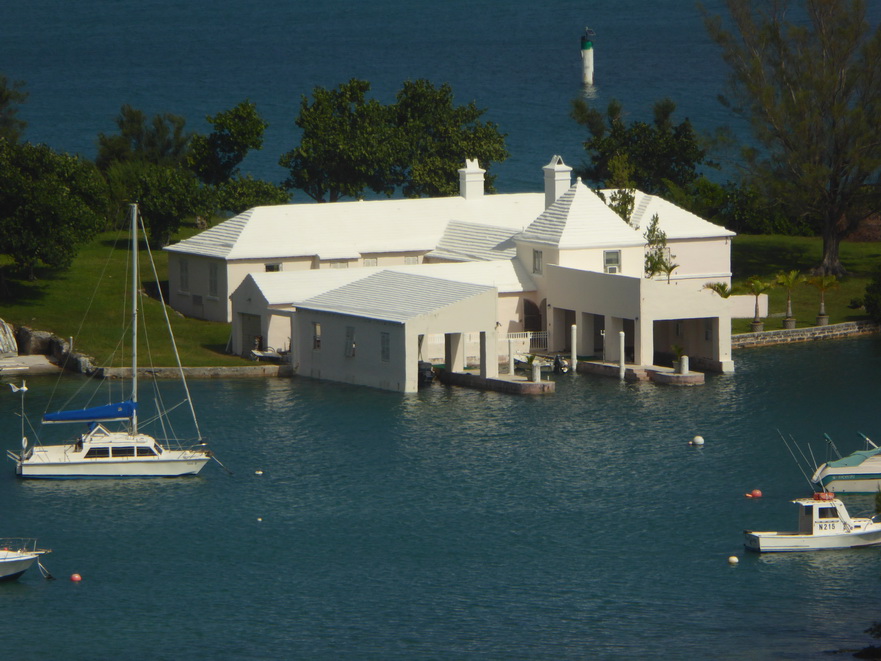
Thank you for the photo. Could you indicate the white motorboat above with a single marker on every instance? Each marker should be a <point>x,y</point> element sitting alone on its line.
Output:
<point>100,452</point>
<point>17,554</point>
<point>823,523</point>
<point>859,472</point>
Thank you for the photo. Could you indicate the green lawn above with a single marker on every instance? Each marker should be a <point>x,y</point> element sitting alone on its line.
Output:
<point>71,304</point>
<point>766,256</point>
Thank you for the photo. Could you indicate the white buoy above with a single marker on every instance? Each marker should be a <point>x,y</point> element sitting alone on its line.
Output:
<point>587,56</point>
<point>259,518</point>
<point>733,560</point>
<point>258,472</point>
<point>697,440</point>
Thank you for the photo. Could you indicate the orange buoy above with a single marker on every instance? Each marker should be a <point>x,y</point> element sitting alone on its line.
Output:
<point>756,493</point>
<point>76,578</point>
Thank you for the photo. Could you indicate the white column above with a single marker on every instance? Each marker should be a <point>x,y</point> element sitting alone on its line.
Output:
<point>574,342</point>
<point>621,368</point>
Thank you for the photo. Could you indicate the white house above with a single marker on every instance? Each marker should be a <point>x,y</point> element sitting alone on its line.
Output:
<point>549,260</point>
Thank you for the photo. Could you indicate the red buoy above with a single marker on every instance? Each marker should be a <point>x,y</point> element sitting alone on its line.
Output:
<point>76,578</point>
<point>756,493</point>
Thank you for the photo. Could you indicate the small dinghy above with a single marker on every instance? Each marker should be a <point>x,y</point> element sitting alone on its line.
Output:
<point>823,523</point>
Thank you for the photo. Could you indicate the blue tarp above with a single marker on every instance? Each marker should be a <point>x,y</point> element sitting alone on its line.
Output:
<point>108,412</point>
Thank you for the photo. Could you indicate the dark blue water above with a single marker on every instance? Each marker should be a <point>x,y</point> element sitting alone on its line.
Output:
<point>460,524</point>
<point>518,59</point>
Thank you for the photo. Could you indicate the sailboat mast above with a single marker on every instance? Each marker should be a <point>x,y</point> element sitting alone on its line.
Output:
<point>134,233</point>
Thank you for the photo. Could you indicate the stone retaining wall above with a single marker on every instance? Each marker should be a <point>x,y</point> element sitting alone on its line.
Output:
<point>782,336</point>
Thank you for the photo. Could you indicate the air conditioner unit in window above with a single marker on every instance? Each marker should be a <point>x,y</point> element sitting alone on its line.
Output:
<point>611,269</point>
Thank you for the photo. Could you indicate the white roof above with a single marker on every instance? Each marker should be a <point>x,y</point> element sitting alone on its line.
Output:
<point>345,229</point>
<point>392,296</point>
<point>463,242</point>
<point>580,219</point>
<point>283,288</point>
<point>676,222</point>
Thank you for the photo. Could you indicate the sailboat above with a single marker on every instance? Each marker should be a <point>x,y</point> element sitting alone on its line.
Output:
<point>100,451</point>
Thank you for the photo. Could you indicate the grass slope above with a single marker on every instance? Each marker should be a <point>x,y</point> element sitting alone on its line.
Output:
<point>97,315</point>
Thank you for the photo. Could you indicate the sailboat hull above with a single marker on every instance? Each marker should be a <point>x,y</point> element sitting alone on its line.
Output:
<point>135,468</point>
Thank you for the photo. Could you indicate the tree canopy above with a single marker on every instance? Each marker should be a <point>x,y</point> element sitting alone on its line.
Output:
<point>809,82</point>
<point>215,157</point>
<point>50,203</point>
<point>12,95</point>
<point>352,144</point>
<point>162,141</point>
<point>655,156</point>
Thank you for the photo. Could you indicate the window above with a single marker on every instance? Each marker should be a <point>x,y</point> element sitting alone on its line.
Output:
<point>536,261</point>
<point>125,451</point>
<point>350,341</point>
<point>827,513</point>
<point>612,261</point>
<point>272,268</point>
<point>370,261</point>
<point>212,280</point>
<point>316,335</point>
<point>184,275</point>
<point>97,453</point>
<point>411,259</point>
<point>146,452</point>
<point>338,264</point>
<point>385,346</point>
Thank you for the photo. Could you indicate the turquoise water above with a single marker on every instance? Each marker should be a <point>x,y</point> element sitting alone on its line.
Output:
<point>460,524</point>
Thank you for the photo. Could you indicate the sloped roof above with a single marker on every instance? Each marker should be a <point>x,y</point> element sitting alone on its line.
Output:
<point>676,222</point>
<point>471,241</point>
<point>285,287</point>
<point>580,219</point>
<point>391,296</point>
<point>353,228</point>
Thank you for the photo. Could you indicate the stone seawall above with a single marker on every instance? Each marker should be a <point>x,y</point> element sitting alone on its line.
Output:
<point>783,336</point>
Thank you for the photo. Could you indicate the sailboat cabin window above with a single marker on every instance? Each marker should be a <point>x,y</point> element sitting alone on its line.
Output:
<point>124,451</point>
<point>146,452</point>
<point>97,453</point>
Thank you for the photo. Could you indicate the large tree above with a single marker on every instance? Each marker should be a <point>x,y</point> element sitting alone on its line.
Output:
<point>161,141</point>
<point>657,154</point>
<point>346,147</point>
<point>215,157</point>
<point>352,144</point>
<point>50,204</point>
<point>807,75</point>
<point>12,95</point>
<point>435,137</point>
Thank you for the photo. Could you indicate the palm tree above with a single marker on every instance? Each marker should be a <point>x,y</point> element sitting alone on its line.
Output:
<point>756,286</point>
<point>823,283</point>
<point>721,288</point>
<point>667,267</point>
<point>789,281</point>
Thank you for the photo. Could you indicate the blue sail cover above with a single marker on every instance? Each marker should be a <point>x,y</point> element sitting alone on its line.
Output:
<point>107,413</point>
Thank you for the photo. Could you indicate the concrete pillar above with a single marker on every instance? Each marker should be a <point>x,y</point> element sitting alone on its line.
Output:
<point>489,355</point>
<point>511,357</point>
<point>613,325</point>
<point>683,365</point>
<point>621,352</point>
<point>574,339</point>
<point>454,352</point>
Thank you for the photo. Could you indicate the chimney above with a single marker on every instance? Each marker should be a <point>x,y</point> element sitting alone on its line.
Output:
<point>471,180</point>
<point>557,180</point>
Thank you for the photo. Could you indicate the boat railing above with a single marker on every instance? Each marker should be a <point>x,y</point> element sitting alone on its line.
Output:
<point>20,545</point>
